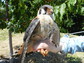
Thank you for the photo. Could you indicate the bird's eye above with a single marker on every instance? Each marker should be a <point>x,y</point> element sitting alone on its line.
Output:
<point>45,13</point>
<point>52,12</point>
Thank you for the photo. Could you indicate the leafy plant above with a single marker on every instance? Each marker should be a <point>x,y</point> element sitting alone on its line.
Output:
<point>69,14</point>
<point>2,15</point>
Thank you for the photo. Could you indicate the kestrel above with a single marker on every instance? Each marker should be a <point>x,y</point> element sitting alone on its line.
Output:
<point>43,34</point>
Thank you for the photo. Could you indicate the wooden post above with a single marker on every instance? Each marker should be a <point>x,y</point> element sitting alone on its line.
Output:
<point>10,33</point>
<point>10,46</point>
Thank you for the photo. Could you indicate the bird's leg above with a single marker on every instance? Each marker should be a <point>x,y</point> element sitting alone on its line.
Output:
<point>19,52</point>
<point>44,52</point>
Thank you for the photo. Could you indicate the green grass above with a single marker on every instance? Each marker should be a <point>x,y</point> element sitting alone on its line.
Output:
<point>73,59</point>
<point>3,34</point>
<point>70,35</point>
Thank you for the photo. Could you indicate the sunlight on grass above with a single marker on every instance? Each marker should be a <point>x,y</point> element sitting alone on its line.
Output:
<point>17,39</point>
<point>3,34</point>
<point>70,35</point>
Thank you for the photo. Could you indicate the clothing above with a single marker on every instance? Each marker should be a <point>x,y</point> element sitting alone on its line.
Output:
<point>73,44</point>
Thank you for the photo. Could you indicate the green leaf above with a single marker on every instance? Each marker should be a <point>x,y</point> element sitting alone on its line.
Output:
<point>72,2</point>
<point>62,10</point>
<point>82,10</point>
<point>56,10</point>
<point>37,1</point>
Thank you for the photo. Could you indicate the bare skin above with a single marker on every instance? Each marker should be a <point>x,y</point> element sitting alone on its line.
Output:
<point>45,46</point>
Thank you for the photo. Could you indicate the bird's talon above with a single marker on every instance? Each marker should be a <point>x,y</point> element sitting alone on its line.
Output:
<point>44,52</point>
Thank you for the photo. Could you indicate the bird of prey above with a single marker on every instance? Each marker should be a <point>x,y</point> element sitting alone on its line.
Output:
<point>43,34</point>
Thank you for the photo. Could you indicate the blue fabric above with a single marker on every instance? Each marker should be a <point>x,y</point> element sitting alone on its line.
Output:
<point>72,45</point>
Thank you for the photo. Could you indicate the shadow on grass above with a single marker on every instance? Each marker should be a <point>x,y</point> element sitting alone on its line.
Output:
<point>73,59</point>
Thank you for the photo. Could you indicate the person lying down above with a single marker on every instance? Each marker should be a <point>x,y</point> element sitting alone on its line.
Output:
<point>72,44</point>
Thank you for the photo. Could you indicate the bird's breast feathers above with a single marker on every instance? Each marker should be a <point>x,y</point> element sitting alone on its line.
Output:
<point>44,28</point>
<point>46,24</point>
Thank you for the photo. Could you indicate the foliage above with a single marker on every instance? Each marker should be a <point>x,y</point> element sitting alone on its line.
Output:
<point>2,15</point>
<point>69,14</point>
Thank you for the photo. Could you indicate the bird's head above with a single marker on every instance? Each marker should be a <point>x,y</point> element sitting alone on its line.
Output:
<point>46,10</point>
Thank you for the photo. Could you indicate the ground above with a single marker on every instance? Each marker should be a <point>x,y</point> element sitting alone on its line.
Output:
<point>17,41</point>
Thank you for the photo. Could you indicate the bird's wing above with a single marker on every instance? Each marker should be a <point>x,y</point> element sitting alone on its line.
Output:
<point>55,34</point>
<point>27,36</point>
<point>31,28</point>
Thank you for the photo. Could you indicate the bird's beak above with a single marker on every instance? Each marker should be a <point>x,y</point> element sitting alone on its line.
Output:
<point>50,11</point>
